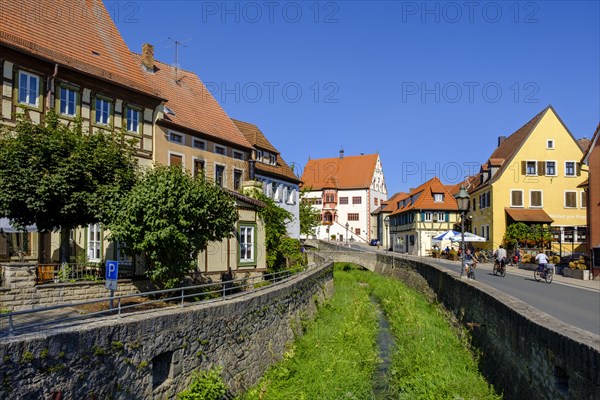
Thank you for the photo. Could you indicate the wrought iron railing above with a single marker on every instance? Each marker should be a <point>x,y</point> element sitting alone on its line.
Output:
<point>41,318</point>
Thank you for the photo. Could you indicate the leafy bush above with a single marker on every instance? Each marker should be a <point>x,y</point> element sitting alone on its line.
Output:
<point>579,264</point>
<point>206,385</point>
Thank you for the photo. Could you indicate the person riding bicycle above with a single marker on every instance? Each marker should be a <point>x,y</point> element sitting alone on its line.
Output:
<point>500,256</point>
<point>542,260</point>
<point>470,263</point>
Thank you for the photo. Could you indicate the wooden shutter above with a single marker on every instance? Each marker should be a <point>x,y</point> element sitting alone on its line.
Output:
<point>541,168</point>
<point>524,167</point>
<point>578,168</point>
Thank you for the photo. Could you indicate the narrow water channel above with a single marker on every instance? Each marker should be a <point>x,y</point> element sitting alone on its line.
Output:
<point>387,346</point>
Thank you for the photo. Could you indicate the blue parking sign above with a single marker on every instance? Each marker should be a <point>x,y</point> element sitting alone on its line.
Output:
<point>112,270</point>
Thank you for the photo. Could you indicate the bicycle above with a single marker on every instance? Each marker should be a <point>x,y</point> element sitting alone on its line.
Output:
<point>543,272</point>
<point>470,269</point>
<point>499,268</point>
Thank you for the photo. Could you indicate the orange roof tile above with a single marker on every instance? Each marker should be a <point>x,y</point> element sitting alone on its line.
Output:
<point>350,172</point>
<point>391,204</point>
<point>254,136</point>
<point>75,34</point>
<point>421,198</point>
<point>192,104</point>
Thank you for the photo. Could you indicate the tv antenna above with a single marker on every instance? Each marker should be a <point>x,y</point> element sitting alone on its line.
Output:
<point>177,44</point>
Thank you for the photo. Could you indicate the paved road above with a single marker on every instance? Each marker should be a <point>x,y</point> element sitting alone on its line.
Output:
<point>572,301</point>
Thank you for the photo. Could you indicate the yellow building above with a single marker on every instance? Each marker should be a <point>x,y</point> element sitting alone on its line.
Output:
<point>532,177</point>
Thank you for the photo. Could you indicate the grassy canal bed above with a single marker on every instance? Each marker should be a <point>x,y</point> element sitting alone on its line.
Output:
<point>341,352</point>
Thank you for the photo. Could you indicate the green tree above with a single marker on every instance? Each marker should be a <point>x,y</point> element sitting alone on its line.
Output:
<point>169,217</point>
<point>58,177</point>
<point>527,235</point>
<point>309,217</point>
<point>275,220</point>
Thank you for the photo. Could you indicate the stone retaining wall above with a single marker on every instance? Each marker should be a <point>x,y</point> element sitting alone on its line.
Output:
<point>524,353</point>
<point>19,291</point>
<point>152,355</point>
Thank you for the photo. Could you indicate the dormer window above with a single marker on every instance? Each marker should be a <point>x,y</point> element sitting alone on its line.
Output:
<point>272,159</point>
<point>550,144</point>
<point>259,155</point>
<point>438,197</point>
<point>169,111</point>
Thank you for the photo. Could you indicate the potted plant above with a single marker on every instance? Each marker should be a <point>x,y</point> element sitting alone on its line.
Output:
<point>453,255</point>
<point>578,269</point>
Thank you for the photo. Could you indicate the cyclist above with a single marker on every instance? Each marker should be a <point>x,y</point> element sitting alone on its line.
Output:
<point>470,264</point>
<point>542,260</point>
<point>500,256</point>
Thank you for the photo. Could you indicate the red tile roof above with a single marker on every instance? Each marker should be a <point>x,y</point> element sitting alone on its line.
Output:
<point>391,204</point>
<point>192,104</point>
<point>258,140</point>
<point>350,172</point>
<point>422,198</point>
<point>590,148</point>
<point>75,34</point>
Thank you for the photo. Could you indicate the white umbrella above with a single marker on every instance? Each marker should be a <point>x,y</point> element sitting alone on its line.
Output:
<point>445,236</point>
<point>469,237</point>
<point>6,227</point>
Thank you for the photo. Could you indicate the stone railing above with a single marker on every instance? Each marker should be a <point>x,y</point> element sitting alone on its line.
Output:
<point>152,355</point>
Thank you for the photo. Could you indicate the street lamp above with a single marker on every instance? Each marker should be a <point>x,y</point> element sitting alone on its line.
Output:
<point>347,225</point>
<point>462,200</point>
<point>386,222</point>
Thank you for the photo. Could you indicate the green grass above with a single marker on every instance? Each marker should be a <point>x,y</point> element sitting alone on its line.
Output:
<point>431,361</point>
<point>335,358</point>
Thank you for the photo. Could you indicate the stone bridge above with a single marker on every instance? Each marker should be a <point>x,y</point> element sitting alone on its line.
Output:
<point>525,353</point>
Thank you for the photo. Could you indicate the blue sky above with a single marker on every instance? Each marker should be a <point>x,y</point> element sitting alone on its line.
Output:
<point>428,85</point>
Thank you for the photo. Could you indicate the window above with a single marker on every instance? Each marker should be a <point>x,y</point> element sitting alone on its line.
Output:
<point>428,216</point>
<point>175,137</point>
<point>474,204</point>
<point>94,242</point>
<point>272,159</point>
<point>246,244</point>
<point>535,198</point>
<point>237,179</point>
<point>438,197</point>
<point>199,144</point>
<point>343,200</point>
<point>475,230</point>
<point>356,200</point>
<point>376,201</point>
<point>219,173</point>
<point>531,168</point>
<point>516,198</point>
<point>550,144</point>
<point>291,199</point>
<point>330,198</point>
<point>583,200</point>
<point>133,120</point>
<point>68,101</point>
<point>103,111</point>
<point>198,167</point>
<point>439,217</point>
<point>238,156</point>
<point>319,200</point>
<point>357,231</point>
<point>569,168</point>
<point>29,89</point>
<point>551,168</point>
<point>570,199</point>
<point>220,150</point>
<point>487,232</point>
<point>175,159</point>
<point>327,217</point>
<point>353,217</point>
<point>259,155</point>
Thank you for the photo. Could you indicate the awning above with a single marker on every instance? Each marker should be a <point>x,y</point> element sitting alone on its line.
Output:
<point>529,215</point>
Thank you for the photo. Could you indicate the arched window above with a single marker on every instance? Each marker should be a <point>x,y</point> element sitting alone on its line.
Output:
<point>327,217</point>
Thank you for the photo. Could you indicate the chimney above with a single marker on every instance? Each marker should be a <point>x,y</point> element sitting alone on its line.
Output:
<point>148,57</point>
<point>341,154</point>
<point>501,139</point>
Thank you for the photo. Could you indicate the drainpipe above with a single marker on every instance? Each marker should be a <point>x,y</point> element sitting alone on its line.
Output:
<point>50,83</point>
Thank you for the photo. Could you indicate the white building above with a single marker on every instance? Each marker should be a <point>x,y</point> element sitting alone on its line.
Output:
<point>345,190</point>
<point>278,179</point>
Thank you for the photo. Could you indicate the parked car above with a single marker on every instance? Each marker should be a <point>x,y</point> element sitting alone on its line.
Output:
<point>374,242</point>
